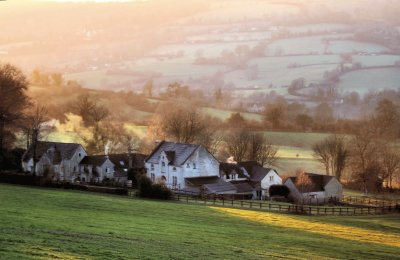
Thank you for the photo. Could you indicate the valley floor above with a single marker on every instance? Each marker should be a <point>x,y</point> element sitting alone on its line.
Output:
<point>48,223</point>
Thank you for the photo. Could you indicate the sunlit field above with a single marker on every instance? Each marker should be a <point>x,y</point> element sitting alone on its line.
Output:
<point>47,223</point>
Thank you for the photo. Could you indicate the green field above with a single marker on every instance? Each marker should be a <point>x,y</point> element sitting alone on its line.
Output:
<point>46,223</point>
<point>225,114</point>
<point>363,81</point>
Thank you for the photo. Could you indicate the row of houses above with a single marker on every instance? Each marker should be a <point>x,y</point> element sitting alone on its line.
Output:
<point>181,167</point>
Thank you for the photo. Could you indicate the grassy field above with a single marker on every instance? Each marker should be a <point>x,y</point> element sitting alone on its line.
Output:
<point>46,223</point>
<point>370,79</point>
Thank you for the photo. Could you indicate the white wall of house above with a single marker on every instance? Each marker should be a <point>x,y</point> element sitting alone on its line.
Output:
<point>272,178</point>
<point>334,189</point>
<point>200,163</point>
<point>65,171</point>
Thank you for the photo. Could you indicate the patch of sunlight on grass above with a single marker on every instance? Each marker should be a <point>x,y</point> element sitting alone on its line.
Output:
<point>47,253</point>
<point>314,226</point>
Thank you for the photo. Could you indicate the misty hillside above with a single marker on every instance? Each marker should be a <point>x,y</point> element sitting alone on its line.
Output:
<point>295,49</point>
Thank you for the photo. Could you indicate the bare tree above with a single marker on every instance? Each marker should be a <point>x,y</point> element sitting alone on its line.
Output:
<point>179,121</point>
<point>364,161</point>
<point>261,150</point>
<point>35,120</point>
<point>91,111</point>
<point>333,154</point>
<point>13,102</point>
<point>238,143</point>
<point>390,160</point>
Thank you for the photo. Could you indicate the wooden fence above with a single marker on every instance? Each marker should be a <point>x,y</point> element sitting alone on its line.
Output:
<point>369,201</point>
<point>290,208</point>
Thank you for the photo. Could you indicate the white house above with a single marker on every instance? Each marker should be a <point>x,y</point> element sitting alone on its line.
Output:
<point>95,168</point>
<point>173,163</point>
<point>113,167</point>
<point>61,160</point>
<point>246,174</point>
<point>319,188</point>
<point>260,177</point>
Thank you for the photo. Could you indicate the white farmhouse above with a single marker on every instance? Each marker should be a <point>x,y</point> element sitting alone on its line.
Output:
<point>320,188</point>
<point>261,178</point>
<point>60,160</point>
<point>96,168</point>
<point>173,163</point>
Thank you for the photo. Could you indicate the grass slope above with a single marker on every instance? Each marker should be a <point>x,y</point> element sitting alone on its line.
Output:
<point>45,223</point>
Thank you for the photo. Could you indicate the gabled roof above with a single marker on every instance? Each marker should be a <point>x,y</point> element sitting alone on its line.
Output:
<point>122,160</point>
<point>255,170</point>
<point>64,151</point>
<point>181,152</point>
<point>318,181</point>
<point>95,160</point>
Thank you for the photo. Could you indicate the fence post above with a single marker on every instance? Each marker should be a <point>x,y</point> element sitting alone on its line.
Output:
<point>223,201</point>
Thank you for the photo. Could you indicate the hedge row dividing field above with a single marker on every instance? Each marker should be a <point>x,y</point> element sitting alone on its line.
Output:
<point>47,223</point>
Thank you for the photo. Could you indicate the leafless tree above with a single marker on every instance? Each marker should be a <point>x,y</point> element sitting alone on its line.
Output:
<point>390,161</point>
<point>91,111</point>
<point>179,121</point>
<point>238,144</point>
<point>332,152</point>
<point>34,125</point>
<point>261,150</point>
<point>364,162</point>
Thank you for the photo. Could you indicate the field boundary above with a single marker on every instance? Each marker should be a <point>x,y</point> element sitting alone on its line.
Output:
<point>290,208</point>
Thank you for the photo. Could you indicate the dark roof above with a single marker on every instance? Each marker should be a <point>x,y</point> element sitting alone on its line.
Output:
<point>318,181</point>
<point>220,187</point>
<point>255,170</point>
<point>95,160</point>
<point>198,181</point>
<point>65,151</point>
<point>243,187</point>
<point>227,168</point>
<point>258,173</point>
<point>181,152</point>
<point>122,160</point>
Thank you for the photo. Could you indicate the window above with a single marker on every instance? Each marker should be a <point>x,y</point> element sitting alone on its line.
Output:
<point>187,165</point>
<point>80,154</point>
<point>107,170</point>
<point>152,166</point>
<point>174,169</point>
<point>194,166</point>
<point>163,164</point>
<point>271,178</point>
<point>174,181</point>
<point>153,177</point>
<point>233,176</point>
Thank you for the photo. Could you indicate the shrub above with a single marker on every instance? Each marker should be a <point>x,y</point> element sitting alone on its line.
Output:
<point>155,191</point>
<point>279,190</point>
